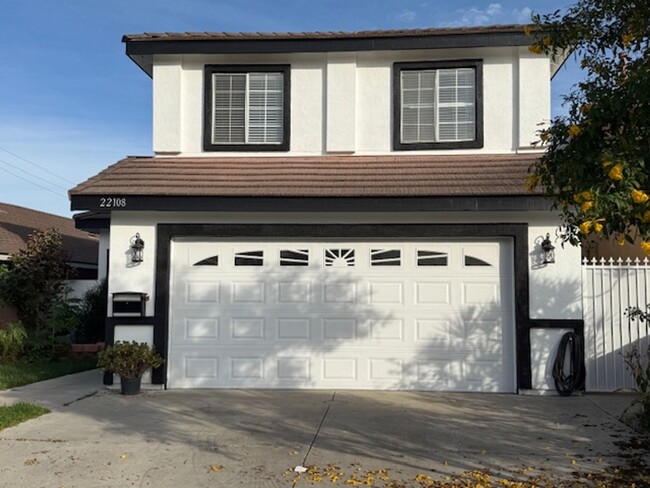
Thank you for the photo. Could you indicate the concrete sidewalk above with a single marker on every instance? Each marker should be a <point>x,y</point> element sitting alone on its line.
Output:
<point>57,393</point>
<point>251,438</point>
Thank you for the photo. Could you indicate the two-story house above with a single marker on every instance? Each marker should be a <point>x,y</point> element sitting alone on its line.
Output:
<point>338,210</point>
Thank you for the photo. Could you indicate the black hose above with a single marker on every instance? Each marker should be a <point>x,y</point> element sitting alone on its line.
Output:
<point>567,383</point>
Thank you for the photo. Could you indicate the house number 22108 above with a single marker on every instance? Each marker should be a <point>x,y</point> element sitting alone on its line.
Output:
<point>110,202</point>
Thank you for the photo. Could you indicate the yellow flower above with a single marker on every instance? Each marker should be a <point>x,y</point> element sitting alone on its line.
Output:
<point>621,241</point>
<point>585,227</point>
<point>586,108</point>
<point>574,131</point>
<point>544,136</point>
<point>627,39</point>
<point>645,245</point>
<point>646,216</point>
<point>607,163</point>
<point>528,30</point>
<point>531,182</point>
<point>598,227</point>
<point>583,196</point>
<point>535,48</point>
<point>639,196</point>
<point>586,206</point>
<point>546,41</point>
<point>616,172</point>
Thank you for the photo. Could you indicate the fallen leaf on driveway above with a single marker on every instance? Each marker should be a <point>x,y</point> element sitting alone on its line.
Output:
<point>216,469</point>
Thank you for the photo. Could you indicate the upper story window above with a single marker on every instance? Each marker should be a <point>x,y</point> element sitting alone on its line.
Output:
<point>246,108</point>
<point>438,105</point>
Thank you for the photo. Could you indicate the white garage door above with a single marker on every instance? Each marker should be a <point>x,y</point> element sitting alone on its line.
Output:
<point>346,315</point>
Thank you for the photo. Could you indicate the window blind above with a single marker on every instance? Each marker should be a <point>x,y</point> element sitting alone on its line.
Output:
<point>248,108</point>
<point>438,105</point>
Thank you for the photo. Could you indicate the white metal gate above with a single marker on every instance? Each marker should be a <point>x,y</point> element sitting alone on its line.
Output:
<point>609,288</point>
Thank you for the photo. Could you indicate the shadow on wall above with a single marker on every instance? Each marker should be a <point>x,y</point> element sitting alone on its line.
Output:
<point>292,328</point>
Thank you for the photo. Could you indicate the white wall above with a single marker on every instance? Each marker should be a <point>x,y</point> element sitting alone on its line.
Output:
<point>544,344</point>
<point>342,102</point>
<point>138,333</point>
<point>555,289</point>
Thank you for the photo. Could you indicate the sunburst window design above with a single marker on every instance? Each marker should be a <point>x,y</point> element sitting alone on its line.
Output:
<point>472,261</point>
<point>211,261</point>
<point>339,258</point>
<point>432,258</point>
<point>249,258</point>
<point>385,257</point>
<point>294,257</point>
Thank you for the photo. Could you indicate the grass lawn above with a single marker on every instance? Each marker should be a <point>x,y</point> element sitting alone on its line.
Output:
<point>11,415</point>
<point>12,375</point>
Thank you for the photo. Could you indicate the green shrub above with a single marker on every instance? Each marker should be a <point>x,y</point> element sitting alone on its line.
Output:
<point>62,320</point>
<point>12,342</point>
<point>129,359</point>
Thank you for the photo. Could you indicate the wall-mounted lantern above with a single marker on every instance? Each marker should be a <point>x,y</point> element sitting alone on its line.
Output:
<point>137,248</point>
<point>548,250</point>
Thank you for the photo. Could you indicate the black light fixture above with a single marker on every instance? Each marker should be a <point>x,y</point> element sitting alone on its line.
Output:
<point>137,248</point>
<point>548,250</point>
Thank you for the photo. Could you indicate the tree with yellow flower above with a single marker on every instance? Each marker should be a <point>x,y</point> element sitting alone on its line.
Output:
<point>597,164</point>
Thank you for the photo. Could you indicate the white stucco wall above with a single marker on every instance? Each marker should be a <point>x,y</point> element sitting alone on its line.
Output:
<point>138,333</point>
<point>544,344</point>
<point>342,102</point>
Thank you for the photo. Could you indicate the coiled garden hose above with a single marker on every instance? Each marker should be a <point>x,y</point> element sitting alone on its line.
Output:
<point>568,382</point>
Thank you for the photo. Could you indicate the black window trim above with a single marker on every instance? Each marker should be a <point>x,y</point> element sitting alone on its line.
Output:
<point>209,70</point>
<point>477,143</point>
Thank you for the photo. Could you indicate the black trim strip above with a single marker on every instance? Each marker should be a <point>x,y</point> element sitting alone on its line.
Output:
<point>517,231</point>
<point>318,204</point>
<point>225,46</point>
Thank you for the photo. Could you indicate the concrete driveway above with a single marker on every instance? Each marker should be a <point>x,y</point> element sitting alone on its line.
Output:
<point>207,438</point>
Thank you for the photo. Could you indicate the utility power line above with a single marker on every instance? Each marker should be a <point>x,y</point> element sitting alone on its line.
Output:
<point>37,165</point>
<point>32,182</point>
<point>32,174</point>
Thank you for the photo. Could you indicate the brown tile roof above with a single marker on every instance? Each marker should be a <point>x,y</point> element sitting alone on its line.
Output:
<point>17,223</point>
<point>333,176</point>
<point>269,36</point>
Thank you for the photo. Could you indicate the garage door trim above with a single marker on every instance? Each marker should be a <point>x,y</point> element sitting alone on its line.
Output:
<point>518,233</point>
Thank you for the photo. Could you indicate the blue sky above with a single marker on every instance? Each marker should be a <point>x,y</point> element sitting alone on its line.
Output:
<point>72,103</point>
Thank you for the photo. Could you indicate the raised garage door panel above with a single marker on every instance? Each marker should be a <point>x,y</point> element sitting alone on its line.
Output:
<point>357,315</point>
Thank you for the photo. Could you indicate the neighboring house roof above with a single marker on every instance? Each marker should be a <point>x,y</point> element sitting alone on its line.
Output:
<point>17,223</point>
<point>333,176</point>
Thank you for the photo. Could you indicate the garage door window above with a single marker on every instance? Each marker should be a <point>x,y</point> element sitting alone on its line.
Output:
<point>211,261</point>
<point>432,258</point>
<point>385,257</point>
<point>249,258</point>
<point>472,261</point>
<point>339,258</point>
<point>294,257</point>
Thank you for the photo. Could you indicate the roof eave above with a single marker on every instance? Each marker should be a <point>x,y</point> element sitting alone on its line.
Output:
<point>141,52</point>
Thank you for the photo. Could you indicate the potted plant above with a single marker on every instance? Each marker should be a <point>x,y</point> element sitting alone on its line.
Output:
<point>129,360</point>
